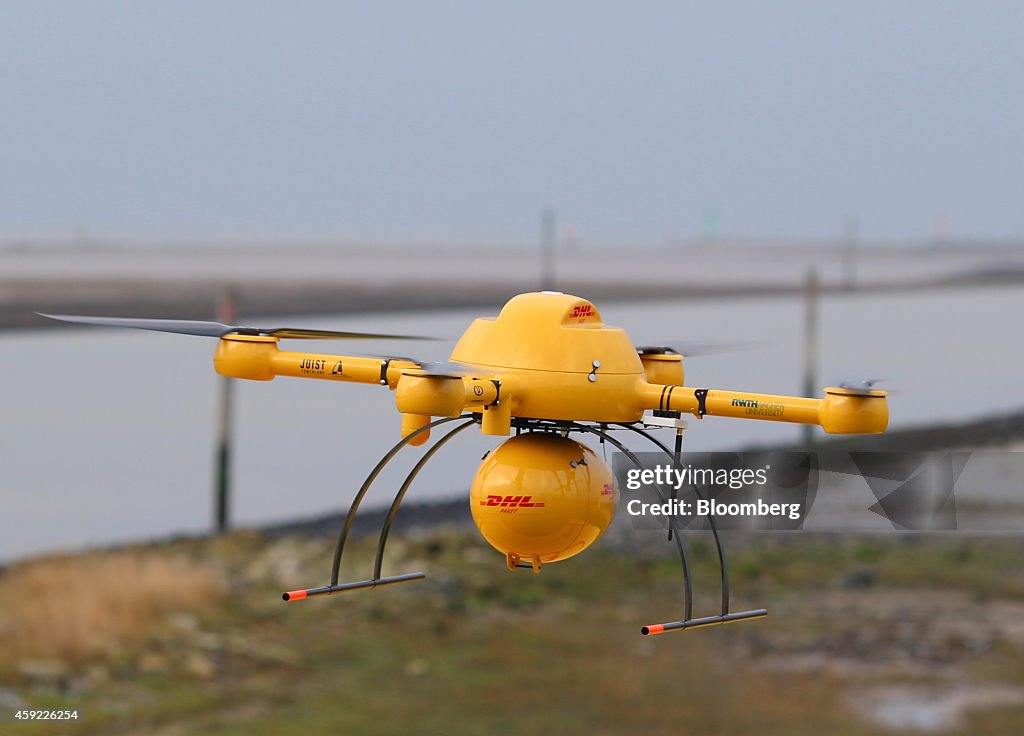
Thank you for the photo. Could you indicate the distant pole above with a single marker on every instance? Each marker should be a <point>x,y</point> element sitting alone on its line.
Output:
<point>940,229</point>
<point>711,223</point>
<point>811,296</point>
<point>570,237</point>
<point>226,313</point>
<point>548,244</point>
<point>851,241</point>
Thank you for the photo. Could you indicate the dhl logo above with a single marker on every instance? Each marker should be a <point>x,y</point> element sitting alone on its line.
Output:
<point>582,310</point>
<point>608,490</point>
<point>521,502</point>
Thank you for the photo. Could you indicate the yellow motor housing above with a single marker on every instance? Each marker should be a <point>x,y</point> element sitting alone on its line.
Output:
<point>663,368</point>
<point>848,411</point>
<point>541,497</point>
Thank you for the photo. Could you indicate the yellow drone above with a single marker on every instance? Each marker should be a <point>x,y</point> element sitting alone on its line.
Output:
<point>546,367</point>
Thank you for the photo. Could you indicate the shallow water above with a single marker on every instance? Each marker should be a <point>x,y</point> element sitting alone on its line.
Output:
<point>108,435</point>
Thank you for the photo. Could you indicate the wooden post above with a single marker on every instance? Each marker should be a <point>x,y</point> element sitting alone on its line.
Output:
<point>222,452</point>
<point>851,238</point>
<point>548,246</point>
<point>811,295</point>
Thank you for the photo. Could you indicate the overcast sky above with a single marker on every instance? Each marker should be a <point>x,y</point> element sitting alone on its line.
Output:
<point>443,120</point>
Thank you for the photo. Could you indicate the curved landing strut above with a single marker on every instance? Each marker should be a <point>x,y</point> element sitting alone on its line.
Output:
<point>687,621</point>
<point>377,580</point>
<point>675,532</point>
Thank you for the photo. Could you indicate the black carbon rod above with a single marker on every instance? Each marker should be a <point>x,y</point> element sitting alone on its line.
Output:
<point>298,595</point>
<point>722,565</point>
<point>351,515</point>
<point>699,623</point>
<point>393,511</point>
<point>680,544</point>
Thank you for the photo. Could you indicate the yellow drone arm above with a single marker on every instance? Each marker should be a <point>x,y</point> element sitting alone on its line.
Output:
<point>418,396</point>
<point>841,411</point>
<point>257,358</point>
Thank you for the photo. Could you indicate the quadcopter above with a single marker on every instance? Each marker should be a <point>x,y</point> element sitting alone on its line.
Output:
<point>546,368</point>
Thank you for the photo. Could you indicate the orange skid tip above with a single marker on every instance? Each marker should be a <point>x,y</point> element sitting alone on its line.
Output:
<point>700,623</point>
<point>298,595</point>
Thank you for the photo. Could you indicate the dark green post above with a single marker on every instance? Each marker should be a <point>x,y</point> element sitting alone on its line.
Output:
<point>222,460</point>
<point>811,294</point>
<point>548,250</point>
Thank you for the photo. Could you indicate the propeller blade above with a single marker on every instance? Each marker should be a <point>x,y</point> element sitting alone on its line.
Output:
<point>448,369</point>
<point>300,333</point>
<point>440,369</point>
<point>691,349</point>
<point>861,387</point>
<point>216,329</point>
<point>177,326</point>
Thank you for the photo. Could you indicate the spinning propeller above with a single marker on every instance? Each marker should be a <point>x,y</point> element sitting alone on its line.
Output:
<point>861,387</point>
<point>691,349</point>
<point>216,329</point>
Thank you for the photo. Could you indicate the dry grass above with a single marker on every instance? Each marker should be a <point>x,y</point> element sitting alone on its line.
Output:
<point>77,608</point>
<point>476,649</point>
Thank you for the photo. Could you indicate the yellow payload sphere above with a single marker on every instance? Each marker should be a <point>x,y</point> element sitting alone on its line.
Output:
<point>541,497</point>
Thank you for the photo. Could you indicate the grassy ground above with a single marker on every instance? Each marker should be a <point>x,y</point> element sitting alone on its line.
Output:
<point>193,638</point>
